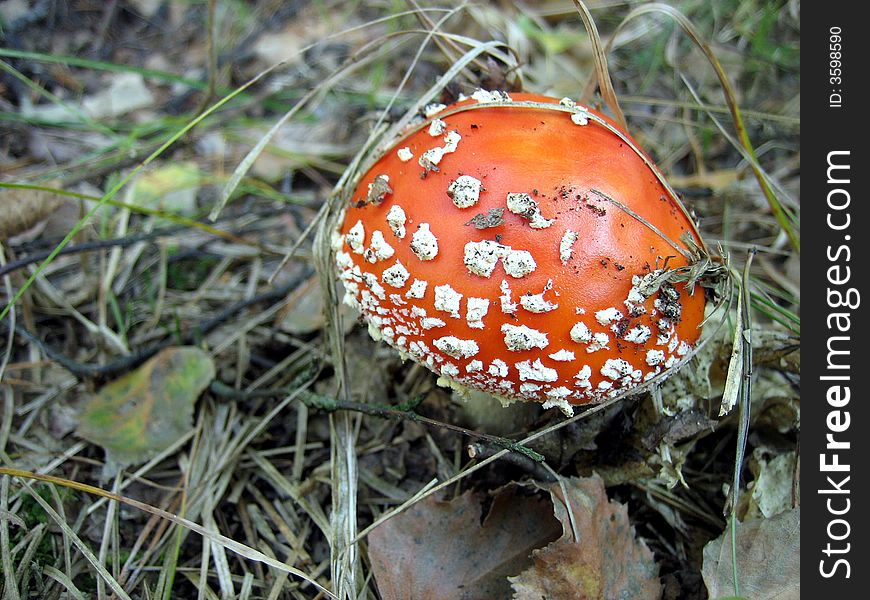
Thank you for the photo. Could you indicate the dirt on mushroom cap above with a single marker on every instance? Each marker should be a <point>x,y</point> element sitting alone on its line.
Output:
<point>555,301</point>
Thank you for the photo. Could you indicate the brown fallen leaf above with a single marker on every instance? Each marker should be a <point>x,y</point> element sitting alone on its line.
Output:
<point>606,562</point>
<point>21,209</point>
<point>768,559</point>
<point>442,551</point>
<point>303,313</point>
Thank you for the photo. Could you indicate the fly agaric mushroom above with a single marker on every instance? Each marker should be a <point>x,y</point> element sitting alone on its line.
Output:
<point>522,246</point>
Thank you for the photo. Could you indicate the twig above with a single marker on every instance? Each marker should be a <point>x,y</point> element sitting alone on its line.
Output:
<point>90,246</point>
<point>403,412</point>
<point>534,468</point>
<point>193,335</point>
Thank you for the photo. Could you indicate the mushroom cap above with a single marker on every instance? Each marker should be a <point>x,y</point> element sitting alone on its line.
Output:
<point>521,251</point>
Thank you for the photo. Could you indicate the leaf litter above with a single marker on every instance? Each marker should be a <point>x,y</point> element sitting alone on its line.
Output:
<point>258,465</point>
<point>444,549</point>
<point>598,556</point>
<point>768,559</point>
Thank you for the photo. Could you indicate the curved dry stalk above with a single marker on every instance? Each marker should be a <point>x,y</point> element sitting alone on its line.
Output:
<point>738,388</point>
<point>602,73</point>
<point>385,136</point>
<point>406,131</point>
<point>688,27</point>
<point>345,562</point>
<point>449,47</point>
<point>749,158</point>
<point>360,58</point>
<point>95,562</point>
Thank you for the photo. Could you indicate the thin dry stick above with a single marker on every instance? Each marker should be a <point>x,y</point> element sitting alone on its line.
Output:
<point>385,412</point>
<point>362,56</point>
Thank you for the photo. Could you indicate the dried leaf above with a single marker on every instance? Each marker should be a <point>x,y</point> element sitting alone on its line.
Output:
<point>171,188</point>
<point>768,559</point>
<point>774,485</point>
<point>122,93</point>
<point>606,562</point>
<point>21,209</point>
<point>440,550</point>
<point>304,311</point>
<point>143,412</point>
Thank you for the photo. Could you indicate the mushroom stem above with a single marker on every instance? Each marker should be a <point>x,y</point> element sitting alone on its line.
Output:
<point>485,413</point>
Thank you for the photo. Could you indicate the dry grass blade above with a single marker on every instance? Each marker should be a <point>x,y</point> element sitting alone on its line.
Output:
<point>66,582</point>
<point>212,536</point>
<point>449,50</point>
<point>69,109</point>
<point>688,27</point>
<point>433,33</point>
<point>11,591</point>
<point>94,561</point>
<point>745,381</point>
<point>371,152</point>
<point>109,526</point>
<point>646,223</point>
<point>734,377</point>
<point>345,560</point>
<point>247,162</point>
<point>602,73</point>
<point>31,542</point>
<point>750,158</point>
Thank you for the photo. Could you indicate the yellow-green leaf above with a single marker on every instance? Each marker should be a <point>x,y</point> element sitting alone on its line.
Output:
<point>145,411</point>
<point>171,188</point>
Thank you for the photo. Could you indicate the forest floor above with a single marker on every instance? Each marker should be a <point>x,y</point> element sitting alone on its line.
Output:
<point>173,424</point>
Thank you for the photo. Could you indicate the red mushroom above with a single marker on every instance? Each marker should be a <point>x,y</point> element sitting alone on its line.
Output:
<point>523,246</point>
